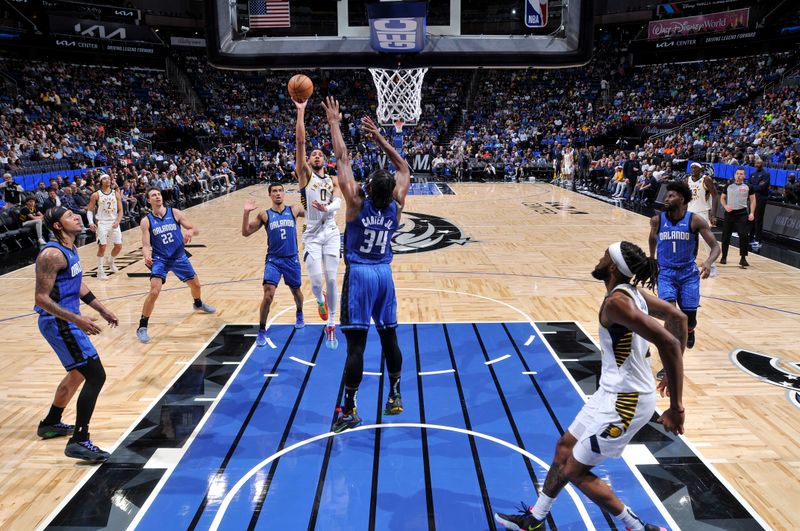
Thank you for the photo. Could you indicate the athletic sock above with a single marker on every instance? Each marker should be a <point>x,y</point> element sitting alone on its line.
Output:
<point>542,506</point>
<point>394,385</point>
<point>630,520</point>
<point>99,263</point>
<point>143,322</point>
<point>198,303</point>
<point>80,434</point>
<point>54,415</point>
<point>349,400</point>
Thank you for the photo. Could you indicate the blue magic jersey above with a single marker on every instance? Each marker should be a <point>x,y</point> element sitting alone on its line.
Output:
<point>677,244</point>
<point>368,238</point>
<point>281,233</point>
<point>67,288</point>
<point>166,237</point>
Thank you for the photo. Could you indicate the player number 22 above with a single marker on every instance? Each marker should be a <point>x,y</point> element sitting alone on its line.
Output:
<point>374,238</point>
<point>167,238</point>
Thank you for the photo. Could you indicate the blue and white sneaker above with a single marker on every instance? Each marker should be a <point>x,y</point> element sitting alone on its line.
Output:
<point>86,451</point>
<point>261,340</point>
<point>205,308</point>
<point>141,335</point>
<point>299,321</point>
<point>330,338</point>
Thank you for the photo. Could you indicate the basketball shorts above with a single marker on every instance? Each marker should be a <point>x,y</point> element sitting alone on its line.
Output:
<point>608,422</point>
<point>287,267</point>
<point>681,284</point>
<point>71,344</point>
<point>368,293</point>
<point>180,266</point>
<point>327,241</point>
<point>106,234</point>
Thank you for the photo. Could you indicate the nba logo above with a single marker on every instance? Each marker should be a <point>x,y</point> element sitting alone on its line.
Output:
<point>536,13</point>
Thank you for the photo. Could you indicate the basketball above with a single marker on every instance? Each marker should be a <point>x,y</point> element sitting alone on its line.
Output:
<point>300,87</point>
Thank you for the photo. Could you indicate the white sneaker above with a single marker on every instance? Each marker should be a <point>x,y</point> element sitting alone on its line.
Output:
<point>42,242</point>
<point>113,267</point>
<point>101,275</point>
<point>713,271</point>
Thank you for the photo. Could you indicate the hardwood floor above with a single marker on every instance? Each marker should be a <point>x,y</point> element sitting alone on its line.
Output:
<point>530,251</point>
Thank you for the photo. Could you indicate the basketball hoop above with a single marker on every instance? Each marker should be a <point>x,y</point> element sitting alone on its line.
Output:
<point>399,95</point>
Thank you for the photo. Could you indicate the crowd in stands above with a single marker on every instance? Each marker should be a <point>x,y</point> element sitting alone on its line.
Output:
<point>484,124</point>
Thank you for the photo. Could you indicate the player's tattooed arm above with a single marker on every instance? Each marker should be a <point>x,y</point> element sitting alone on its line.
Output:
<point>49,263</point>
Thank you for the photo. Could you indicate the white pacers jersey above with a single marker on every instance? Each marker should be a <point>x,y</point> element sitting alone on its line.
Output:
<point>318,189</point>
<point>106,207</point>
<point>569,161</point>
<point>699,203</point>
<point>626,359</point>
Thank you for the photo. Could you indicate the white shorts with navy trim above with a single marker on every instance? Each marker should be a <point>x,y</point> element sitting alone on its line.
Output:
<point>608,422</point>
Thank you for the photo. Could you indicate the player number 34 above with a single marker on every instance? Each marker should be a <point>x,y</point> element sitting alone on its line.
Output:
<point>372,239</point>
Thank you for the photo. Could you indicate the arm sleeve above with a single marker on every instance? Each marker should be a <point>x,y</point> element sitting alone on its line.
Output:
<point>335,205</point>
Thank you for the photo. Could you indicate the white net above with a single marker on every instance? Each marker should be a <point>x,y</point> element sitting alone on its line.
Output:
<point>399,95</point>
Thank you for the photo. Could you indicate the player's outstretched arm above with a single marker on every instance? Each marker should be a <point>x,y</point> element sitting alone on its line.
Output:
<point>119,209</point>
<point>90,208</point>
<point>620,309</point>
<point>250,227</point>
<point>188,229</point>
<point>652,241</point>
<point>403,174</point>
<point>344,182</point>
<point>147,249</point>
<point>301,166</point>
<point>98,306</point>
<point>701,226</point>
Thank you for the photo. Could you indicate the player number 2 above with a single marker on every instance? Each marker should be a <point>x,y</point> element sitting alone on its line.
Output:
<point>374,238</point>
<point>283,234</point>
<point>167,238</point>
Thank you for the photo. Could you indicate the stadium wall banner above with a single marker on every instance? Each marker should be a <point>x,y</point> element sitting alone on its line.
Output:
<point>783,220</point>
<point>419,162</point>
<point>101,30</point>
<point>674,8</point>
<point>97,12</point>
<point>189,42</point>
<point>104,46</point>
<point>688,45</point>
<point>712,22</point>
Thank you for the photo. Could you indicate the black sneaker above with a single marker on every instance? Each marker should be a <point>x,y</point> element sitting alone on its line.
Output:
<point>394,406</point>
<point>523,521</point>
<point>346,422</point>
<point>653,527</point>
<point>690,340</point>
<point>59,429</point>
<point>723,260</point>
<point>86,451</point>
<point>743,262</point>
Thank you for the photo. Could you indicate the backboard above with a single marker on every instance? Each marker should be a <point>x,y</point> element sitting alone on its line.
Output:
<point>294,34</point>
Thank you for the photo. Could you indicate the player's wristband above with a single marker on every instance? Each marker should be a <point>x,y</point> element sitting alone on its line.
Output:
<point>90,216</point>
<point>335,205</point>
<point>88,298</point>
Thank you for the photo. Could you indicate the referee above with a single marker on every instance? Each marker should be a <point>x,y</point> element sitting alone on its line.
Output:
<point>734,200</point>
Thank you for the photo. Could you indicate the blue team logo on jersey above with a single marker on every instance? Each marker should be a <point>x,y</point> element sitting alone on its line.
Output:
<point>423,232</point>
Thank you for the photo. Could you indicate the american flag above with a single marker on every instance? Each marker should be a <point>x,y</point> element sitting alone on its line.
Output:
<point>269,13</point>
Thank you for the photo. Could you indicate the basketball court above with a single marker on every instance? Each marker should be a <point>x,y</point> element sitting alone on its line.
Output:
<point>499,317</point>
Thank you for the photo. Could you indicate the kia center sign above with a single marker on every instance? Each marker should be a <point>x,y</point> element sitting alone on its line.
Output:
<point>397,27</point>
<point>101,30</point>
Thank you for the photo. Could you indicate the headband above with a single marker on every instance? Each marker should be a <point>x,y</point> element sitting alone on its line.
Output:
<point>53,215</point>
<point>615,250</point>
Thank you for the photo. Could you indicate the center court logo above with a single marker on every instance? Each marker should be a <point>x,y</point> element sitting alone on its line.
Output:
<point>771,370</point>
<point>423,232</point>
